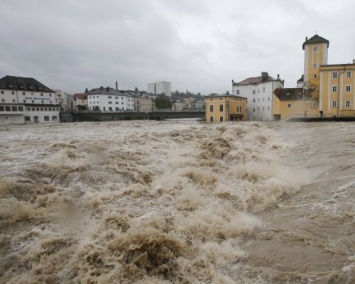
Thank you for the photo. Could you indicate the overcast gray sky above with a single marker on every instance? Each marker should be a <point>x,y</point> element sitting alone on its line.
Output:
<point>199,45</point>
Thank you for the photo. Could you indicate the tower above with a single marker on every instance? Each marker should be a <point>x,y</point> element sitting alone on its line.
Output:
<point>315,55</point>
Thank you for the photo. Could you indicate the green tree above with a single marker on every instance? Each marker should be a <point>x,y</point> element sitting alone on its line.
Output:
<point>163,102</point>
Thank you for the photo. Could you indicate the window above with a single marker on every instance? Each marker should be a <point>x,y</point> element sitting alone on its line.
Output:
<point>211,108</point>
<point>51,95</point>
<point>253,92</point>
<point>253,100</point>
<point>2,92</point>
<point>268,108</point>
<point>109,97</point>
<point>37,108</point>
<point>14,108</point>
<point>315,76</point>
<point>348,89</point>
<point>116,108</point>
<point>24,101</point>
<point>23,93</point>
<point>35,118</point>
<point>211,118</point>
<point>263,108</point>
<point>13,93</point>
<point>2,100</point>
<point>315,48</point>
<point>335,89</point>
<point>220,107</point>
<point>2,108</point>
<point>253,109</point>
<point>110,108</point>
<point>33,109</point>
<point>263,89</point>
<point>7,108</point>
<point>110,103</point>
<point>334,104</point>
<point>268,99</point>
<point>27,118</point>
<point>335,75</point>
<point>221,118</point>
<point>20,108</point>
<point>237,92</point>
<point>348,74</point>
<point>41,94</point>
<point>289,105</point>
<point>13,100</point>
<point>54,118</point>
<point>347,104</point>
<point>46,118</point>
<point>263,99</point>
<point>314,104</point>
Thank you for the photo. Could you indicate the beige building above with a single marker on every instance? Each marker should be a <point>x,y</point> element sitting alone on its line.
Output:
<point>142,104</point>
<point>225,108</point>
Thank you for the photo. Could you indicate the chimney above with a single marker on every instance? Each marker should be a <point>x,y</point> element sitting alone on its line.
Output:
<point>353,61</point>
<point>306,38</point>
<point>116,86</point>
<point>264,75</point>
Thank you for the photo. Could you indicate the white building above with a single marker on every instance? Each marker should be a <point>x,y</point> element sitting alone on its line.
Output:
<point>110,100</point>
<point>63,100</point>
<point>158,88</point>
<point>259,92</point>
<point>25,100</point>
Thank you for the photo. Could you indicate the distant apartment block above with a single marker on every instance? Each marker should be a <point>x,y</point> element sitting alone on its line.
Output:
<point>158,88</point>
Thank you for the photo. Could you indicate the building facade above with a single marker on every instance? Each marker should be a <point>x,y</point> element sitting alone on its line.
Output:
<point>337,83</point>
<point>259,92</point>
<point>63,100</point>
<point>109,100</point>
<point>26,100</point>
<point>293,102</point>
<point>330,86</point>
<point>158,88</point>
<point>225,108</point>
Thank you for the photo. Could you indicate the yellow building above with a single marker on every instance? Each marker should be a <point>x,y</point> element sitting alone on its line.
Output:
<point>328,90</point>
<point>293,102</point>
<point>337,90</point>
<point>225,108</point>
<point>330,86</point>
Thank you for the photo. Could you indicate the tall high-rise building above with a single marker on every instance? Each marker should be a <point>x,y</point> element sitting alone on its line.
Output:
<point>161,87</point>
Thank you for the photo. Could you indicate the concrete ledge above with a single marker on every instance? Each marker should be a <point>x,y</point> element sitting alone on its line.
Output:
<point>321,119</point>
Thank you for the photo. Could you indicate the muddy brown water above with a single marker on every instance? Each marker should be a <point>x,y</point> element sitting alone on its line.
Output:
<point>177,202</point>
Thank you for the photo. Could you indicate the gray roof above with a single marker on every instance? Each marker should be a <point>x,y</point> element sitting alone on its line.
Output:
<point>257,80</point>
<point>315,39</point>
<point>23,84</point>
<point>109,91</point>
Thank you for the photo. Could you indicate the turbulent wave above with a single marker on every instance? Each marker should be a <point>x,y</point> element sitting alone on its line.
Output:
<point>138,202</point>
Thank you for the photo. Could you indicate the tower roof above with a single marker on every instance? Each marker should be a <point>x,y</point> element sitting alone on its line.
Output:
<point>315,39</point>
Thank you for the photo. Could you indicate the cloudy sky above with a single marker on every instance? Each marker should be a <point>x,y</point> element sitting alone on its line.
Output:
<point>199,45</point>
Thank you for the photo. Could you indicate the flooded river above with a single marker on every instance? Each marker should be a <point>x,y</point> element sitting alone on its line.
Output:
<point>177,202</point>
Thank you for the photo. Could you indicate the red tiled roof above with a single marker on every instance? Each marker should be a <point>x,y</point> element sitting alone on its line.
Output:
<point>80,96</point>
